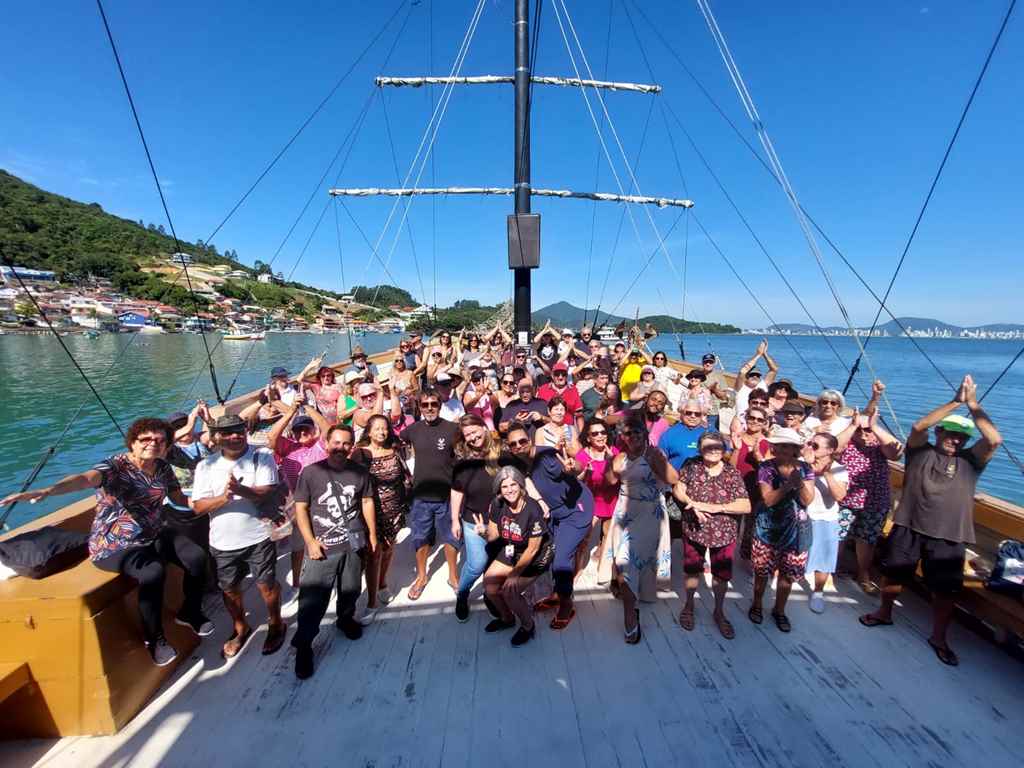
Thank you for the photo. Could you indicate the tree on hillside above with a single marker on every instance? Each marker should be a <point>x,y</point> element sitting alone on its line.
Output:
<point>387,295</point>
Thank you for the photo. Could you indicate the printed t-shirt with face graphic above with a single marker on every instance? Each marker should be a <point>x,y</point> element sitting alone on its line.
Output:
<point>335,499</point>
<point>516,530</point>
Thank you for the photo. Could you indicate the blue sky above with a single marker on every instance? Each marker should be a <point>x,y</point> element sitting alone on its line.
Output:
<point>860,100</point>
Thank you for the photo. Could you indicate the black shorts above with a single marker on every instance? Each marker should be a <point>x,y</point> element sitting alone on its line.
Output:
<point>942,562</point>
<point>260,560</point>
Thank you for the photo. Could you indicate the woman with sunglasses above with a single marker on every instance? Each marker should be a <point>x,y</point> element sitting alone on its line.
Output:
<point>376,450</point>
<point>865,448</point>
<point>469,349</point>
<point>448,350</point>
<point>826,416</point>
<point>515,528</point>
<point>594,457</point>
<point>477,455</point>
<point>711,492</point>
<point>750,449</point>
<point>327,391</point>
<point>129,534</point>
<point>830,484</point>
<point>553,479</point>
<point>783,529</point>
<point>638,540</point>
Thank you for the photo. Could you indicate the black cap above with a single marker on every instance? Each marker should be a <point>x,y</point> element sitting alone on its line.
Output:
<point>753,372</point>
<point>708,358</point>
<point>177,416</point>
<point>228,421</point>
<point>794,406</point>
<point>278,371</point>
<point>302,421</point>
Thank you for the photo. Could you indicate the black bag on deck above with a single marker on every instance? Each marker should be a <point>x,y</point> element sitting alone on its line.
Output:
<point>1008,574</point>
<point>43,552</point>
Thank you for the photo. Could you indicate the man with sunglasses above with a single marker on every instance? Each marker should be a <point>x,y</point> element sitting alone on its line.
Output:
<point>433,443</point>
<point>749,378</point>
<point>528,411</point>
<point>934,521</point>
<point>233,486</point>
<point>679,442</point>
<point>721,392</point>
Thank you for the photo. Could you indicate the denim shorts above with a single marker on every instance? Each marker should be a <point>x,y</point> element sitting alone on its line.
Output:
<point>430,523</point>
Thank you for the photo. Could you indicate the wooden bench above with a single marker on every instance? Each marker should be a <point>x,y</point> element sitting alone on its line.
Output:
<point>72,660</point>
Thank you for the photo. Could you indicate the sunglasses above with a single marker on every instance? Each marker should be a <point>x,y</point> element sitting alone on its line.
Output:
<point>597,432</point>
<point>430,404</point>
<point>234,431</point>
<point>714,447</point>
<point>151,440</point>
<point>829,402</point>
<point>525,389</point>
<point>756,420</point>
<point>692,413</point>
<point>757,402</point>
<point>518,443</point>
<point>507,382</point>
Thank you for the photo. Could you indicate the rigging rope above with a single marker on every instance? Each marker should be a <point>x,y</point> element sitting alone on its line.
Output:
<point>160,191</point>
<point>433,164</point>
<point>341,267</point>
<point>309,119</point>
<point>935,182</point>
<point>773,158</point>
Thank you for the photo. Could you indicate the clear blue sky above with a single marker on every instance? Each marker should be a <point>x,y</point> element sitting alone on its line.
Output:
<point>860,99</point>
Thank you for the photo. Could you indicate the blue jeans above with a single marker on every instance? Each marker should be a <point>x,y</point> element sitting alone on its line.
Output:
<point>476,561</point>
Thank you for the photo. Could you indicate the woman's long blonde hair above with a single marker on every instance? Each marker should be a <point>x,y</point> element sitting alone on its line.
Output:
<point>491,449</point>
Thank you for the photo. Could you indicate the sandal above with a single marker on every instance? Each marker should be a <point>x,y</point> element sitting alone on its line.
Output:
<point>616,589</point>
<point>870,620</point>
<point>726,628</point>
<point>548,603</point>
<point>559,623</point>
<point>416,590</point>
<point>755,614</point>
<point>634,635</point>
<point>275,638</point>
<point>235,644</point>
<point>781,622</point>
<point>945,654</point>
<point>686,619</point>
<point>867,587</point>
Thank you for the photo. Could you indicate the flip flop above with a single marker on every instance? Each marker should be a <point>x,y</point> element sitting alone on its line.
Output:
<point>755,614</point>
<point>235,644</point>
<point>782,622</point>
<point>726,628</point>
<point>686,619</point>
<point>415,592</point>
<point>945,655</point>
<point>557,623</point>
<point>276,634</point>
<point>872,621</point>
<point>633,636</point>
<point>548,603</point>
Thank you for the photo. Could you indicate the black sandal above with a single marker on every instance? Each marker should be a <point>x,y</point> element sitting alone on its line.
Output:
<point>755,614</point>
<point>633,636</point>
<point>945,654</point>
<point>781,622</point>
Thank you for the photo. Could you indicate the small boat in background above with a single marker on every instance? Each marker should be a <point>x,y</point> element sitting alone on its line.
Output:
<point>245,336</point>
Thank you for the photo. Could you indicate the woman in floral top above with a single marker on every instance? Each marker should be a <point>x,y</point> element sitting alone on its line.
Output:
<point>710,491</point>
<point>866,449</point>
<point>128,533</point>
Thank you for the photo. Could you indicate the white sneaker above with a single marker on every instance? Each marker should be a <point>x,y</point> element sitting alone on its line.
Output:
<point>384,596</point>
<point>367,617</point>
<point>817,602</point>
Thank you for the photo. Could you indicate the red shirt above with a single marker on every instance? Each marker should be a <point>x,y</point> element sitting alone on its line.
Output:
<point>573,404</point>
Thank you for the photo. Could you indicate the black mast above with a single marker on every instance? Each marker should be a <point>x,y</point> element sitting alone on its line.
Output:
<point>524,230</point>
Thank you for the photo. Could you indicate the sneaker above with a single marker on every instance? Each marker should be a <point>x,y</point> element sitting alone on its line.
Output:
<point>490,607</point>
<point>817,602</point>
<point>384,596</point>
<point>462,608</point>
<point>304,662</point>
<point>523,636</point>
<point>163,653</point>
<point>499,625</point>
<point>368,615</point>
<point>288,595</point>
<point>353,629</point>
<point>199,624</point>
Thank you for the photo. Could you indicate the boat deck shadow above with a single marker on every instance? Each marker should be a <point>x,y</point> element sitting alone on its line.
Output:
<point>421,689</point>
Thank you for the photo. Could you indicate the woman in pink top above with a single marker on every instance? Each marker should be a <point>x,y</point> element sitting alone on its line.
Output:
<point>594,457</point>
<point>327,393</point>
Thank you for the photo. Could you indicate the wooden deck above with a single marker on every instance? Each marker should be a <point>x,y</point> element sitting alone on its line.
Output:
<point>421,689</point>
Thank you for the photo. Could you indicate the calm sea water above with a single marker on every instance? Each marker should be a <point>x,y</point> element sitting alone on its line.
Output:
<point>40,390</point>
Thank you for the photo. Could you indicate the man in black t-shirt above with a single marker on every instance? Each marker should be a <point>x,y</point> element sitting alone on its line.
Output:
<point>934,521</point>
<point>335,514</point>
<point>433,442</point>
<point>528,411</point>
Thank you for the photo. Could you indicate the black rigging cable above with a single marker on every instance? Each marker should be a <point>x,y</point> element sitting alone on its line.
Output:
<point>309,119</point>
<point>160,191</point>
<point>341,266</point>
<point>931,188</point>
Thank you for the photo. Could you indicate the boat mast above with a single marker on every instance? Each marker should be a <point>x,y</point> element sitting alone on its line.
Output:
<point>519,258</point>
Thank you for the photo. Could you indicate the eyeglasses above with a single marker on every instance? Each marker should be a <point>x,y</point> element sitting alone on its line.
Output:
<point>713,448</point>
<point>597,432</point>
<point>151,439</point>
<point>367,397</point>
<point>507,382</point>
<point>758,402</point>
<point>829,402</point>
<point>229,432</point>
<point>756,420</point>
<point>692,413</point>
<point>525,390</point>
<point>430,404</point>
<point>518,443</point>
<point>820,446</point>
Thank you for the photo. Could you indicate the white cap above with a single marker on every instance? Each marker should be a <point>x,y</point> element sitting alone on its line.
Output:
<point>569,331</point>
<point>443,377</point>
<point>785,436</point>
<point>353,376</point>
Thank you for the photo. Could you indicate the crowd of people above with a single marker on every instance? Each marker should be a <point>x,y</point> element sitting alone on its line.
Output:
<point>530,462</point>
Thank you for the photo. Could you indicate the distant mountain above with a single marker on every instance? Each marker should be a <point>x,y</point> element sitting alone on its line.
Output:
<point>917,324</point>
<point>913,324</point>
<point>562,314</point>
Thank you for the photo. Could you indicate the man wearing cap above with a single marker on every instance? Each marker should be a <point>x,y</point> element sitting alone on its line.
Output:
<point>189,448</point>
<point>287,392</point>
<point>719,388</point>
<point>293,454</point>
<point>231,486</point>
<point>935,518</point>
<point>749,378</point>
<point>560,386</point>
<point>433,442</point>
<point>451,388</point>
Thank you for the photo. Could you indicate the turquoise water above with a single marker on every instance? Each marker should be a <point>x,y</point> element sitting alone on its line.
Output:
<point>40,390</point>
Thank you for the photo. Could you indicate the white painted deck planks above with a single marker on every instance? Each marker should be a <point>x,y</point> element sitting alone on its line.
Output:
<point>419,689</point>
